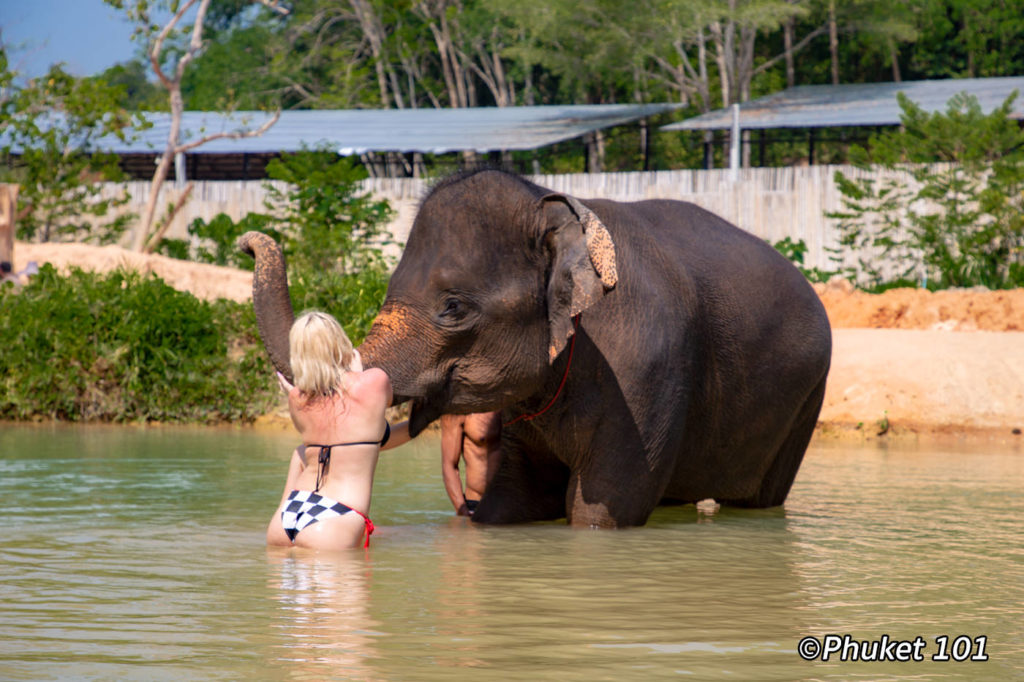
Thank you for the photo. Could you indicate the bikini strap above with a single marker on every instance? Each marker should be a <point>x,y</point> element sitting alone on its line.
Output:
<point>369,527</point>
<point>322,462</point>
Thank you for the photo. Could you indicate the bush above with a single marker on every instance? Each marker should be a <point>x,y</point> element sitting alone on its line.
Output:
<point>123,347</point>
<point>217,240</point>
<point>794,251</point>
<point>963,223</point>
<point>52,127</point>
<point>332,237</point>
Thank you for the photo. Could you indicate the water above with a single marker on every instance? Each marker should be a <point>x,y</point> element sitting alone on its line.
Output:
<point>138,554</point>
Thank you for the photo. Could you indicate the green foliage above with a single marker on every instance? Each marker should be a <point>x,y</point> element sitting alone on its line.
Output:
<point>331,235</point>
<point>961,221</point>
<point>353,299</point>
<point>123,347</point>
<point>236,73</point>
<point>137,92</point>
<point>216,240</point>
<point>325,224</point>
<point>332,238</point>
<point>52,129</point>
<point>795,251</point>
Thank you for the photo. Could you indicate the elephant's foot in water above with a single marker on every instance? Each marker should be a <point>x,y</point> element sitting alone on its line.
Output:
<point>779,478</point>
<point>606,510</point>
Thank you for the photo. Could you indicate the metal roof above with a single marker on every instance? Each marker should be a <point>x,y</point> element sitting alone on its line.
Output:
<point>861,104</point>
<point>355,131</point>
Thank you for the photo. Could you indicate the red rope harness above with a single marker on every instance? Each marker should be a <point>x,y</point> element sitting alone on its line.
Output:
<point>572,346</point>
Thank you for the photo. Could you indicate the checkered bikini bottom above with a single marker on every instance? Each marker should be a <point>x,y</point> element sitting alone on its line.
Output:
<point>305,508</point>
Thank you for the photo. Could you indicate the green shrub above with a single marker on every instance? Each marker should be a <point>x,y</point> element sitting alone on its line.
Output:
<point>332,237</point>
<point>123,347</point>
<point>794,251</point>
<point>962,222</point>
<point>216,240</point>
<point>52,128</point>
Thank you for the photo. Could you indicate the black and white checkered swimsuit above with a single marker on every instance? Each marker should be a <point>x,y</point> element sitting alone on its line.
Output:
<point>306,507</point>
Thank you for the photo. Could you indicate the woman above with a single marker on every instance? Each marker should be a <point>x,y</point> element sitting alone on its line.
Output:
<point>339,411</point>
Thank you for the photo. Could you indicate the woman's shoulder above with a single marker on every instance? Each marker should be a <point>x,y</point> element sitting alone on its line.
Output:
<point>369,383</point>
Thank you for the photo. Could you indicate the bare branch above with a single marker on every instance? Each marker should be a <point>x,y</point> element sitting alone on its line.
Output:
<point>796,48</point>
<point>237,135</point>
<point>165,225</point>
<point>158,44</point>
<point>195,44</point>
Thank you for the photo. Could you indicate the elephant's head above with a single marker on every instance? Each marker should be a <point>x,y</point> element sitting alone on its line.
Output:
<point>482,300</point>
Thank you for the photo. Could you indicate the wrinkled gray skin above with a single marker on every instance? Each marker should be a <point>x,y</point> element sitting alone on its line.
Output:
<point>698,368</point>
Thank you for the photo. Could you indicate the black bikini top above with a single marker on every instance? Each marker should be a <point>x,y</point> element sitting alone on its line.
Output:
<point>324,458</point>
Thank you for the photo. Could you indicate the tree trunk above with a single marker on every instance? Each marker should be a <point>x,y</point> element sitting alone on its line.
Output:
<point>160,174</point>
<point>787,41</point>
<point>833,41</point>
<point>894,56</point>
<point>8,210</point>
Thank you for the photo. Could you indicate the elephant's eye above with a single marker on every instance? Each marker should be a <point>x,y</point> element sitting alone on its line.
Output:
<point>452,307</point>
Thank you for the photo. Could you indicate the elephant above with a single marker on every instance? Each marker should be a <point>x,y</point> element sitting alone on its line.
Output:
<point>641,353</point>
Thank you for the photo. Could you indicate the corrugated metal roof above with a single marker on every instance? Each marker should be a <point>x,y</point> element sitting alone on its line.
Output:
<point>355,131</point>
<point>861,104</point>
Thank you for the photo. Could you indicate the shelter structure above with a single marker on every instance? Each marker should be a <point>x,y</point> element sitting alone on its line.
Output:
<point>816,107</point>
<point>482,130</point>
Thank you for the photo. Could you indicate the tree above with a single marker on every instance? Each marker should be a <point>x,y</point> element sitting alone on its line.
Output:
<point>961,222</point>
<point>140,12</point>
<point>53,129</point>
<point>138,93</point>
<point>331,233</point>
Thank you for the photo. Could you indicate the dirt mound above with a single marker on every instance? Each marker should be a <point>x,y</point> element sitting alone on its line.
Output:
<point>203,281</point>
<point>951,310</point>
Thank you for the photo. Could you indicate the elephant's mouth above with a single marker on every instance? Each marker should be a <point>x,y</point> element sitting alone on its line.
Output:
<point>426,409</point>
<point>421,415</point>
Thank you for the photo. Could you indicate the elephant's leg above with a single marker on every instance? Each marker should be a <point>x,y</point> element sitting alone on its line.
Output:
<point>780,476</point>
<point>527,487</point>
<point>617,488</point>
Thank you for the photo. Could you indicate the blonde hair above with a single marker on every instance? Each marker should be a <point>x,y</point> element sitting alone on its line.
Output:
<point>321,354</point>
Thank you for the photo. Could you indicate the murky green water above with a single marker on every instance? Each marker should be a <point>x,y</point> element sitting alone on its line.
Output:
<point>138,554</point>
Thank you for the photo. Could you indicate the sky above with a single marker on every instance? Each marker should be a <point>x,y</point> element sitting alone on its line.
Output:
<point>88,35</point>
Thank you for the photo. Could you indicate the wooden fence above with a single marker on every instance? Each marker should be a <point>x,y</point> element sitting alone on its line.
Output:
<point>771,203</point>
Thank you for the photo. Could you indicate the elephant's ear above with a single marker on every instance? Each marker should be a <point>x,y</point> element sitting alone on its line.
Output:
<point>582,264</point>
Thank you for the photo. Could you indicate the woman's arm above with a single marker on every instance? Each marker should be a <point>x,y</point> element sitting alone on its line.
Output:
<point>295,401</point>
<point>399,435</point>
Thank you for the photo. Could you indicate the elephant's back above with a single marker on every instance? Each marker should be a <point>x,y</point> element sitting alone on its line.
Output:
<point>746,322</point>
<point>683,247</point>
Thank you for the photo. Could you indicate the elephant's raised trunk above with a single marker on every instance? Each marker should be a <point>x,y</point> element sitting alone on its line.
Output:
<point>391,345</point>
<point>270,298</point>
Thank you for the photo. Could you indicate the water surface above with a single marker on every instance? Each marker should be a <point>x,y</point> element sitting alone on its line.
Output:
<point>138,554</point>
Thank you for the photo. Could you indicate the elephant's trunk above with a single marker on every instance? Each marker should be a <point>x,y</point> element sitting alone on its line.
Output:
<point>391,345</point>
<point>270,298</point>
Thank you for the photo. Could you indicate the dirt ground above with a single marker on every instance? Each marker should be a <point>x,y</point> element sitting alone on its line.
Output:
<point>906,363</point>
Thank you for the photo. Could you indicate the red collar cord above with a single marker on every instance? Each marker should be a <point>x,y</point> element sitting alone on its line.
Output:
<point>572,346</point>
